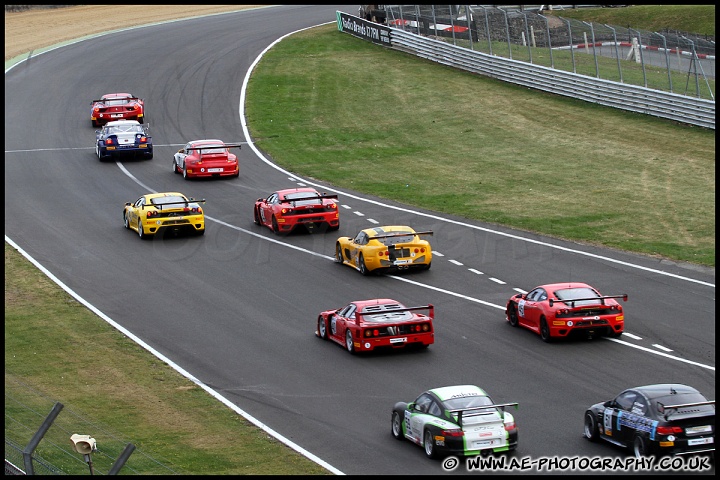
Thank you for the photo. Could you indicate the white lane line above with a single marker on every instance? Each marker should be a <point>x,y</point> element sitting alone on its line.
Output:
<point>359,214</point>
<point>634,337</point>
<point>371,220</point>
<point>497,280</point>
<point>475,271</point>
<point>660,347</point>
<point>455,262</point>
<point>437,254</point>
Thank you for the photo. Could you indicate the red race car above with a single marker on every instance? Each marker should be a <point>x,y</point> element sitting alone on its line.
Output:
<point>206,158</point>
<point>558,310</point>
<point>117,106</point>
<point>365,325</point>
<point>284,210</point>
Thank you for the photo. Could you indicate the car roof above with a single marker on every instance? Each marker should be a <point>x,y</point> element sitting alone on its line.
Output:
<point>112,96</point>
<point>116,123</point>
<point>664,389</point>
<point>287,191</point>
<point>557,286</point>
<point>164,194</point>
<point>372,231</point>
<point>376,301</point>
<point>454,391</point>
<point>209,141</point>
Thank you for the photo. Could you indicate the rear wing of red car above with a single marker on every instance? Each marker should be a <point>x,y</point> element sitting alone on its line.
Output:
<point>304,199</point>
<point>668,410</point>
<point>571,302</point>
<point>470,411</point>
<point>128,99</point>
<point>211,147</point>
<point>429,307</point>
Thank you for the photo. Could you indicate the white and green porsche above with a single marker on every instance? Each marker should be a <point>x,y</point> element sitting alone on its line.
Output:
<point>456,420</point>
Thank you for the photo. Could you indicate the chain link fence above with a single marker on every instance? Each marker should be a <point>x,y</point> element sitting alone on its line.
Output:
<point>671,61</point>
<point>26,408</point>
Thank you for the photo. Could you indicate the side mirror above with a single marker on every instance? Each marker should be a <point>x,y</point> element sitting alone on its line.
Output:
<point>127,204</point>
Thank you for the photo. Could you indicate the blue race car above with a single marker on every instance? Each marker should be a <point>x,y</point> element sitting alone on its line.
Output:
<point>127,138</point>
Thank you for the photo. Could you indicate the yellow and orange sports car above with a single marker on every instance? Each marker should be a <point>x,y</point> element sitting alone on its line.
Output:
<point>170,212</point>
<point>382,249</point>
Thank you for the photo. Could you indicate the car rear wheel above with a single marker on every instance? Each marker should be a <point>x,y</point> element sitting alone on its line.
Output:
<point>397,426</point>
<point>174,167</point>
<point>545,331</point>
<point>640,447</point>
<point>185,174</point>
<point>275,227</point>
<point>349,342</point>
<point>141,232</point>
<point>361,265</point>
<point>591,427</point>
<point>429,445</point>
<point>322,328</point>
<point>256,217</point>
<point>512,314</point>
<point>126,222</point>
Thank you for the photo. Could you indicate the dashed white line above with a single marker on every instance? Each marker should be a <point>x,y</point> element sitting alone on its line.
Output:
<point>455,262</point>
<point>346,206</point>
<point>660,347</point>
<point>359,214</point>
<point>475,271</point>
<point>372,220</point>
<point>437,254</point>
<point>634,337</point>
<point>519,290</point>
<point>496,280</point>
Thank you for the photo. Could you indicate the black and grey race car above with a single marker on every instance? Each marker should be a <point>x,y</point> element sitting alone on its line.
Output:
<point>655,420</point>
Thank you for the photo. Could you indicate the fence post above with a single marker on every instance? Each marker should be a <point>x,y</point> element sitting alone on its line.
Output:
<point>30,448</point>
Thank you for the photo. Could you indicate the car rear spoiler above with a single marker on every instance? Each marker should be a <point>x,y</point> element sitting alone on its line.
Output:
<point>664,409</point>
<point>301,199</point>
<point>461,411</point>
<point>429,307</point>
<point>208,147</point>
<point>401,234</point>
<point>572,302</point>
<point>188,202</point>
<point>108,99</point>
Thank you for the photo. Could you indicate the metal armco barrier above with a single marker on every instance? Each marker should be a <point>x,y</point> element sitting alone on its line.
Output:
<point>680,108</point>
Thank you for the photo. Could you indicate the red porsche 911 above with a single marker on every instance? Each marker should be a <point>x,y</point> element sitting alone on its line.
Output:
<point>116,106</point>
<point>383,323</point>
<point>206,159</point>
<point>284,210</point>
<point>559,310</point>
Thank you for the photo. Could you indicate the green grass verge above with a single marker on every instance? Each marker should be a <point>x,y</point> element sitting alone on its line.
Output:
<point>57,350</point>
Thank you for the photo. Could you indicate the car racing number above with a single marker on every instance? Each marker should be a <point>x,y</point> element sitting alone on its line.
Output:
<point>521,308</point>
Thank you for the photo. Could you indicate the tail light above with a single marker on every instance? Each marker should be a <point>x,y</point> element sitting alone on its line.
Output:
<point>386,253</point>
<point>152,213</point>
<point>510,426</point>
<point>454,432</point>
<point>332,206</point>
<point>284,211</point>
<point>193,210</point>
<point>109,141</point>
<point>669,430</point>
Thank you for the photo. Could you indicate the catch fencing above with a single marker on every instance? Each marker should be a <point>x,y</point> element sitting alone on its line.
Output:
<point>521,47</point>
